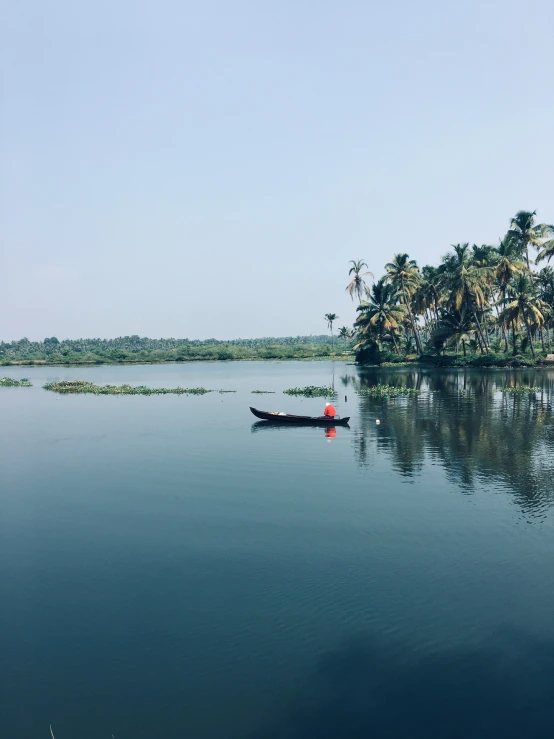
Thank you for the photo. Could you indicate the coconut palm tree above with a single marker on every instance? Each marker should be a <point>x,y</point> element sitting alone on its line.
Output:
<point>547,247</point>
<point>331,318</point>
<point>431,288</point>
<point>507,266</point>
<point>545,281</point>
<point>403,273</point>
<point>455,326</point>
<point>466,283</point>
<point>380,313</point>
<point>525,232</point>
<point>357,286</point>
<point>344,333</point>
<point>525,305</point>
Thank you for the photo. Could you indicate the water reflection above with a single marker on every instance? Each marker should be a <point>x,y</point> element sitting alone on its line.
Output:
<point>464,422</point>
<point>329,432</point>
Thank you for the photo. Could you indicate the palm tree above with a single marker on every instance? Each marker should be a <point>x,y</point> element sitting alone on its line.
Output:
<point>466,283</point>
<point>357,285</point>
<point>507,266</point>
<point>380,312</point>
<point>453,327</point>
<point>545,280</point>
<point>344,333</point>
<point>525,231</point>
<point>404,273</point>
<point>525,305</point>
<point>330,318</point>
<point>431,286</point>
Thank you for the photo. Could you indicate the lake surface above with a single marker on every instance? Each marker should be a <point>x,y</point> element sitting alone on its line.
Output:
<point>170,567</point>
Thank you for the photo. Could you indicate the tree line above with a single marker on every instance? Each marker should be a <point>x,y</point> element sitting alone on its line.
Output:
<point>142,349</point>
<point>481,300</point>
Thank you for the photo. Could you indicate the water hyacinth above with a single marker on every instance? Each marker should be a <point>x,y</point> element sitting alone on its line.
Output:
<point>10,382</point>
<point>311,391</point>
<point>387,391</point>
<point>263,392</point>
<point>520,390</point>
<point>82,386</point>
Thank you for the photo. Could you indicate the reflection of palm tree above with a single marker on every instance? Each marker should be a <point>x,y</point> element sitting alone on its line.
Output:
<point>331,318</point>
<point>357,285</point>
<point>467,427</point>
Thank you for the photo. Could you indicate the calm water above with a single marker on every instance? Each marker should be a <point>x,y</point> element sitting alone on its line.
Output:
<point>169,567</point>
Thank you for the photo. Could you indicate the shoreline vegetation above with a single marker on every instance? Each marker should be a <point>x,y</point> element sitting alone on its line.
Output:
<point>142,350</point>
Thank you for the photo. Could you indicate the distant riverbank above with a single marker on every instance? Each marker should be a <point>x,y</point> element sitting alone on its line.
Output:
<point>478,362</point>
<point>132,362</point>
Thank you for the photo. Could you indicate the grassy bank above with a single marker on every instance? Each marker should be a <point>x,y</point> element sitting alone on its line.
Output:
<point>481,361</point>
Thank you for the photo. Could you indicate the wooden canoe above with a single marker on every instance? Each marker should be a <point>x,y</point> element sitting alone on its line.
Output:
<point>307,420</point>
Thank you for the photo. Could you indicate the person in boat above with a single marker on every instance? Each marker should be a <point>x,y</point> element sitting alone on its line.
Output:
<point>330,411</point>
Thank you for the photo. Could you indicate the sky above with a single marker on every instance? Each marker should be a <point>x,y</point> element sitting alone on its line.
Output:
<point>208,169</point>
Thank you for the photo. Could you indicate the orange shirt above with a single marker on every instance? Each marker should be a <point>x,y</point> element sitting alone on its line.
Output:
<point>330,411</point>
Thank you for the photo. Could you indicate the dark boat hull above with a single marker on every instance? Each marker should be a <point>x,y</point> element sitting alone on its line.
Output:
<point>300,420</point>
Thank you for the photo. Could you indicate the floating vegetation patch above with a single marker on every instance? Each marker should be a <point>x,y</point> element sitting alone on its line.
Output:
<point>224,391</point>
<point>10,382</point>
<point>82,386</point>
<point>311,391</point>
<point>263,392</point>
<point>520,390</point>
<point>387,391</point>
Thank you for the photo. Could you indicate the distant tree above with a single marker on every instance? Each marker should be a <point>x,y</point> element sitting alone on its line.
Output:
<point>331,318</point>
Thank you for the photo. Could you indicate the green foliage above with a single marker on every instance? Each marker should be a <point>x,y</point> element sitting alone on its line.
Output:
<point>263,392</point>
<point>134,349</point>
<point>82,386</point>
<point>477,360</point>
<point>311,391</point>
<point>10,382</point>
<point>519,390</point>
<point>387,391</point>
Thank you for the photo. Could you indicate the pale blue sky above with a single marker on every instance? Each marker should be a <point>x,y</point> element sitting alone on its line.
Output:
<point>208,169</point>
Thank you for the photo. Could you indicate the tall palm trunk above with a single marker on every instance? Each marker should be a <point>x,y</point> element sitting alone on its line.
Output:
<point>479,329</point>
<point>412,321</point>
<point>528,327</point>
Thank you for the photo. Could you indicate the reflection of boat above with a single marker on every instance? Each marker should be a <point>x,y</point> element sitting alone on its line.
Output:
<point>299,420</point>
